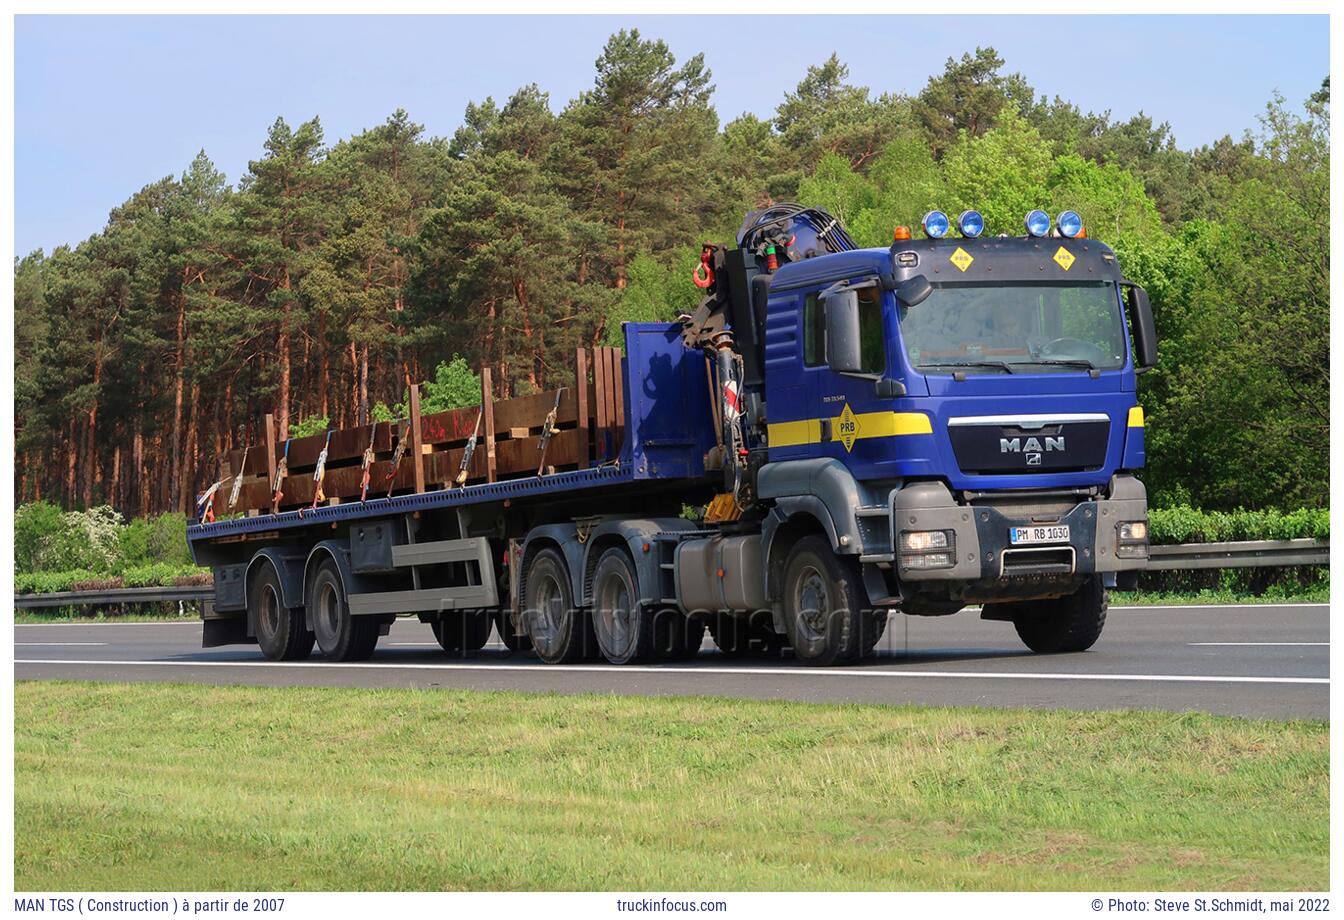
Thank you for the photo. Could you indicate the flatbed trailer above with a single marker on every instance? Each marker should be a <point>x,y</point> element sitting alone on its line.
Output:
<point>852,453</point>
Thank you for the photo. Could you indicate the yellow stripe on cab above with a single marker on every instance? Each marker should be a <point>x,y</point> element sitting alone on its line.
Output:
<point>869,425</point>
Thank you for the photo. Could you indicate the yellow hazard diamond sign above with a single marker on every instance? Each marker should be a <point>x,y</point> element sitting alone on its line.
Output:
<point>961,259</point>
<point>847,428</point>
<point>1064,258</point>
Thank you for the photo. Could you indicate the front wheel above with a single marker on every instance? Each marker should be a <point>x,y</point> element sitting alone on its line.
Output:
<point>1067,624</point>
<point>825,606</point>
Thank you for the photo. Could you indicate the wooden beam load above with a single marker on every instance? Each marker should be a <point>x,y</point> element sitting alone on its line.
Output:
<point>590,418</point>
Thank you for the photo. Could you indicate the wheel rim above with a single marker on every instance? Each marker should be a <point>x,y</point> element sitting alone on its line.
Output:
<point>269,614</point>
<point>811,600</point>
<point>549,612</point>
<point>328,613</point>
<point>614,611</point>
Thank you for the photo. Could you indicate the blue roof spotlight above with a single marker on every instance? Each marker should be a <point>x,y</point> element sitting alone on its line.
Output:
<point>936,225</point>
<point>971,224</point>
<point>1070,224</point>
<point>1038,223</point>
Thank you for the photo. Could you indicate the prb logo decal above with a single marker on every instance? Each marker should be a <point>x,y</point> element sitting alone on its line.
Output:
<point>1064,258</point>
<point>961,258</point>
<point>847,428</point>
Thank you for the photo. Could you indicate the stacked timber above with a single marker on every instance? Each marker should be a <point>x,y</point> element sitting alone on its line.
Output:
<point>424,451</point>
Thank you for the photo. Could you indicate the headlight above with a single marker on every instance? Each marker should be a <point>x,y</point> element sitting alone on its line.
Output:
<point>927,561</point>
<point>928,549</point>
<point>1133,540</point>
<point>1134,530</point>
<point>919,541</point>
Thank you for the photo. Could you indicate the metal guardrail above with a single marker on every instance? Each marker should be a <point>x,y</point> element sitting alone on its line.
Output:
<point>1243,555</point>
<point>114,596</point>
<point>1248,554</point>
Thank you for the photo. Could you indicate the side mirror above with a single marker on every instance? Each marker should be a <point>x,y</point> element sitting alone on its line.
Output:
<point>1141,327</point>
<point>914,291</point>
<point>842,332</point>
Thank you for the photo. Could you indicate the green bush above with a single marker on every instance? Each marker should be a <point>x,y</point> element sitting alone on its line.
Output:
<point>47,542</point>
<point>1183,524</point>
<point>157,539</point>
<point>35,524</point>
<point>159,574</point>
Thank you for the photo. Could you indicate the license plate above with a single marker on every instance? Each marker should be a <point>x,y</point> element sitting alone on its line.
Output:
<point>1051,533</point>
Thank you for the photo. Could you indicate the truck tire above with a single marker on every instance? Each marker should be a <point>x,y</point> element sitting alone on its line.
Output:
<point>626,628</point>
<point>1066,624</point>
<point>745,636</point>
<point>559,631</point>
<point>281,632</point>
<point>825,606</point>
<point>513,640</point>
<point>462,631</point>
<point>341,636</point>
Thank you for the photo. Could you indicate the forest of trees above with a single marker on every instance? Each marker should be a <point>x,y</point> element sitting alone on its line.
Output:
<point>327,277</point>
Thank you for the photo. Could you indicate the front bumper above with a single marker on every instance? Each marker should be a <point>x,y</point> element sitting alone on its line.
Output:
<point>979,534</point>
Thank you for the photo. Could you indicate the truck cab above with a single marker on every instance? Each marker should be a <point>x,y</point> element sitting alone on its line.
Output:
<point>971,403</point>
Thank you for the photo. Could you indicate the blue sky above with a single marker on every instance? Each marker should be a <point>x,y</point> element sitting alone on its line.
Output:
<point>105,105</point>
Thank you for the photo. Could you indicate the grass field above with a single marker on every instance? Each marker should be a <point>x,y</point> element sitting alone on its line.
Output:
<point>160,786</point>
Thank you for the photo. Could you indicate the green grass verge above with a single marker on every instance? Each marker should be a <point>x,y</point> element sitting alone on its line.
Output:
<point>82,615</point>
<point>161,786</point>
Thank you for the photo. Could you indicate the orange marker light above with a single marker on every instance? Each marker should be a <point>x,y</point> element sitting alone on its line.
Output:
<point>902,233</point>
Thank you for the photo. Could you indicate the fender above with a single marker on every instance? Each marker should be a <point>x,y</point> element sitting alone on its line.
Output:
<point>634,534</point>
<point>289,566</point>
<point>339,552</point>
<point>822,487</point>
<point>566,536</point>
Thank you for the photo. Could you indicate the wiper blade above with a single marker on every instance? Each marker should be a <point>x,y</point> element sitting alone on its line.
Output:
<point>1003,365</point>
<point>1064,362</point>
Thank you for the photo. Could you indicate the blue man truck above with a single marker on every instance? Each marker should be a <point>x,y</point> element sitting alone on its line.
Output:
<point>947,422</point>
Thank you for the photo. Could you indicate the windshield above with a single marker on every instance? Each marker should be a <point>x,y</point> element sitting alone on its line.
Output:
<point>1015,328</point>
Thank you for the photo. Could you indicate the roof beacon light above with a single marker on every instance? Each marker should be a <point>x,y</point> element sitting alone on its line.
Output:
<point>1070,224</point>
<point>971,224</point>
<point>901,233</point>
<point>936,225</point>
<point>1038,223</point>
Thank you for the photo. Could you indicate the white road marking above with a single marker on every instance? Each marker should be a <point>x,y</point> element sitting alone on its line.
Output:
<point>60,643</point>
<point>1257,643</point>
<point>709,672</point>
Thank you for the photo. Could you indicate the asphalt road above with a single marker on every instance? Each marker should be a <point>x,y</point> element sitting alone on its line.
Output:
<point>1265,661</point>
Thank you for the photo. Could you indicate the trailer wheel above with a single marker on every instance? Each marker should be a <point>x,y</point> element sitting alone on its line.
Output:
<point>513,640</point>
<point>341,636</point>
<point>558,630</point>
<point>626,628</point>
<point>280,630</point>
<point>1067,624</point>
<point>825,606</point>
<point>462,631</point>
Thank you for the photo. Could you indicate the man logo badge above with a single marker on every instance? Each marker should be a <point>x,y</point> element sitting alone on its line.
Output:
<point>1033,448</point>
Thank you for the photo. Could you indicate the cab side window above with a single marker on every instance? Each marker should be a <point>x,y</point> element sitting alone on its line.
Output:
<point>872,343</point>
<point>814,331</point>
